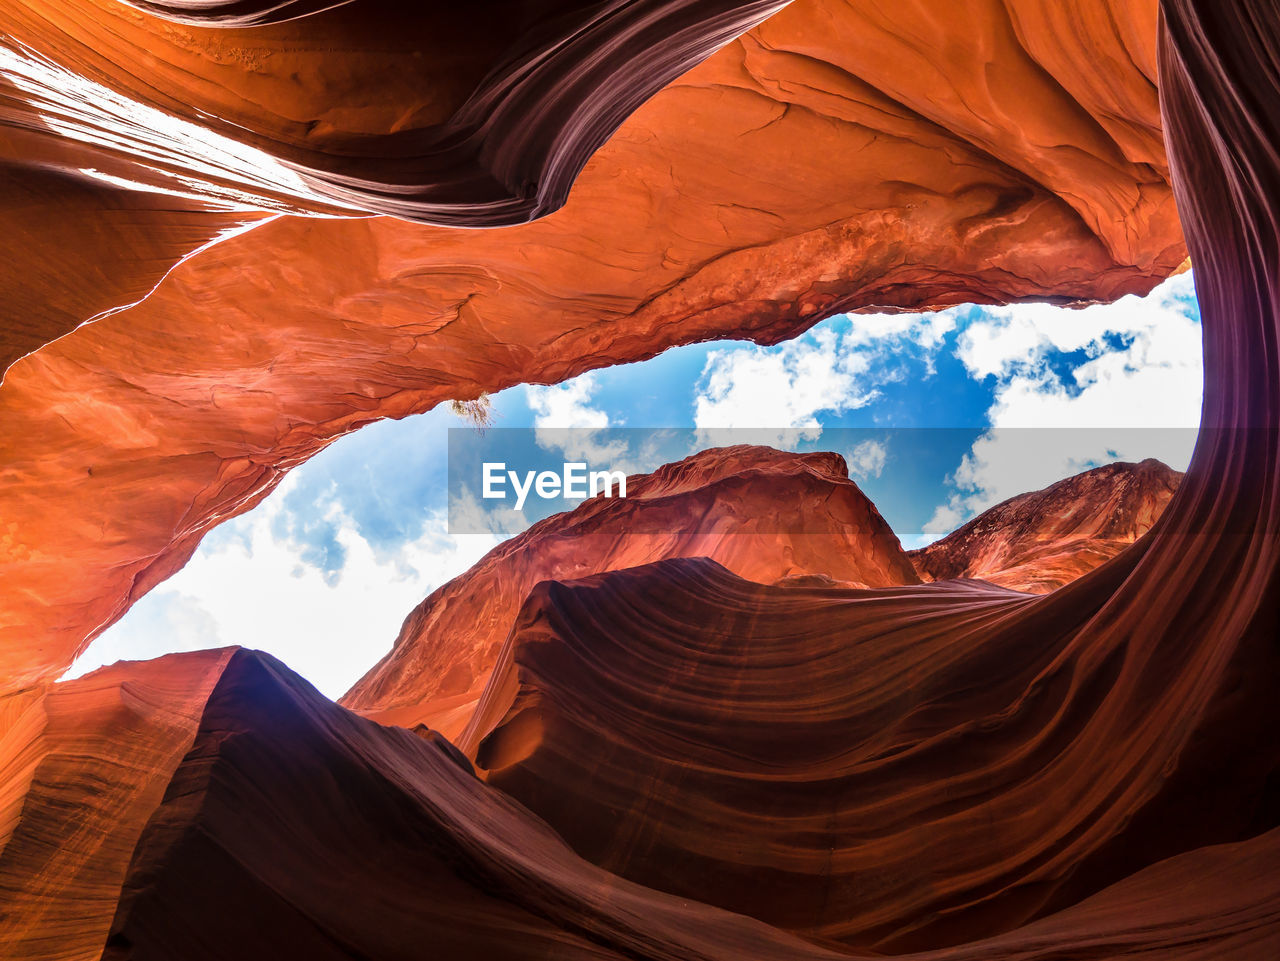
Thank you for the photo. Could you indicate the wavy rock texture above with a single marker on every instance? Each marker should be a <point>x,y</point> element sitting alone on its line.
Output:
<point>472,116</point>
<point>1087,774</point>
<point>1120,722</point>
<point>768,516</point>
<point>1039,541</point>
<point>292,826</point>
<point>82,767</point>
<point>787,752</point>
<point>1018,171</point>
<point>761,513</point>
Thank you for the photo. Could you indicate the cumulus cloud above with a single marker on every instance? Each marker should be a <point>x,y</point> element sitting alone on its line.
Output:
<point>566,420</point>
<point>775,395</point>
<point>867,459</point>
<point>1074,389</point>
<point>891,331</point>
<point>567,404</point>
<point>255,589</point>
<point>778,392</point>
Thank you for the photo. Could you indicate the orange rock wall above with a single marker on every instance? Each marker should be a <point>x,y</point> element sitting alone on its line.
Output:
<point>762,513</point>
<point>747,199</point>
<point>1090,773</point>
<point>82,767</point>
<point>1039,541</point>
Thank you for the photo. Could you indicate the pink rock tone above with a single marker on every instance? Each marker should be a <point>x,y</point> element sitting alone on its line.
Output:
<point>1039,541</point>
<point>761,513</point>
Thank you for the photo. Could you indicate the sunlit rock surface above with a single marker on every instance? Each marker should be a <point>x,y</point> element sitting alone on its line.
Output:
<point>827,160</point>
<point>794,520</point>
<point>1091,773</point>
<point>1039,541</point>
<point>763,514</point>
<point>476,115</point>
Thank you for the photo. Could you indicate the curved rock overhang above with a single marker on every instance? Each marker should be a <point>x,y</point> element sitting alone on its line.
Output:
<point>1167,777</point>
<point>469,115</point>
<point>747,199</point>
<point>1043,750</point>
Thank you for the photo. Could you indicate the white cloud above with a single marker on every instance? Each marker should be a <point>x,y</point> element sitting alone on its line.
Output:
<point>1136,394</point>
<point>779,391</point>
<point>926,331</point>
<point>265,596</point>
<point>567,404</point>
<point>773,395</point>
<point>468,516</point>
<point>565,420</point>
<point>867,459</point>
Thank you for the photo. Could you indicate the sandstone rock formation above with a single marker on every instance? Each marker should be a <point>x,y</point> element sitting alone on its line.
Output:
<point>763,514</point>
<point>1090,773</point>
<point>292,826</point>
<point>824,161</point>
<point>83,766</point>
<point>113,246</point>
<point>1039,541</point>
<point>476,116</point>
<point>784,752</point>
<point>768,516</point>
<point>394,845</point>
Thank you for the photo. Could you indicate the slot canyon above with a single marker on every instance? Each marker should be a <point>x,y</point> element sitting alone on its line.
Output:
<point>729,716</point>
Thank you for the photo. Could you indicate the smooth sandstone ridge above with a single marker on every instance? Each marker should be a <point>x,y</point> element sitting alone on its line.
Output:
<point>1039,541</point>
<point>763,514</point>
<point>393,845</point>
<point>784,752</point>
<point>826,160</point>
<point>1087,774</point>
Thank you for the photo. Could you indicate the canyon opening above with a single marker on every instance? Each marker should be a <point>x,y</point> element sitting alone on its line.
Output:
<point>648,479</point>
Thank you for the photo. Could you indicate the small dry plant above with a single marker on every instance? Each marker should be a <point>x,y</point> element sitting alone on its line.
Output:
<point>478,412</point>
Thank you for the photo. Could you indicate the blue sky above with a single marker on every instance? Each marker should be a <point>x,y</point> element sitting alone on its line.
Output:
<point>323,572</point>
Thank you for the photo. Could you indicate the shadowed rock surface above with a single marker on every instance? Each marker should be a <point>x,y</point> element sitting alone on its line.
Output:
<point>785,752</point>
<point>1091,773</point>
<point>1039,541</point>
<point>762,513</point>
<point>1009,153</point>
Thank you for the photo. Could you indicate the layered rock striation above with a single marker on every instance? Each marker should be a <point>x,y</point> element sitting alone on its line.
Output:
<point>1024,161</point>
<point>83,766</point>
<point>763,514</point>
<point>785,752</point>
<point>1039,541</point>
<point>474,117</point>
<point>1085,774</point>
<point>767,516</point>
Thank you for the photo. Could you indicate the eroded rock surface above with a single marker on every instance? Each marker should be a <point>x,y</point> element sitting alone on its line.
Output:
<point>762,513</point>
<point>476,115</point>
<point>785,752</point>
<point>82,767</point>
<point>824,161</point>
<point>1088,773</point>
<point>1039,541</point>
